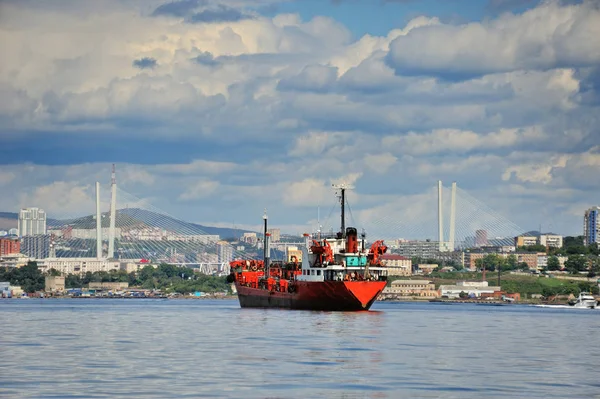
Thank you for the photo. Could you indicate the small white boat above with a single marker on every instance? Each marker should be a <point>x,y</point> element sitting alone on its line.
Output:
<point>585,300</point>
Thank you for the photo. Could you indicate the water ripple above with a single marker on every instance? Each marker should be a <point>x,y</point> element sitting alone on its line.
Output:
<point>194,349</point>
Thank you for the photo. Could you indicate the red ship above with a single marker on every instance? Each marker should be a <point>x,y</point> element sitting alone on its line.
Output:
<point>334,272</point>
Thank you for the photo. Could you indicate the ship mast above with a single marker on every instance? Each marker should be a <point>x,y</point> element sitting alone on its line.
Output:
<point>265,245</point>
<point>343,187</point>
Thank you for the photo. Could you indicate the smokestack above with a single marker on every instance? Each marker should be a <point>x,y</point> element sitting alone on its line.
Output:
<point>440,218</point>
<point>452,217</point>
<point>113,211</point>
<point>98,224</point>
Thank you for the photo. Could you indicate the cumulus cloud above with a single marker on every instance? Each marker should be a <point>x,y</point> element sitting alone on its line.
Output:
<point>60,198</point>
<point>240,110</point>
<point>549,36</point>
<point>312,78</point>
<point>460,141</point>
<point>199,190</point>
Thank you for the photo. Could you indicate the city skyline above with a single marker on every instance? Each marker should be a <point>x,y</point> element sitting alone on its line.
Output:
<point>214,113</point>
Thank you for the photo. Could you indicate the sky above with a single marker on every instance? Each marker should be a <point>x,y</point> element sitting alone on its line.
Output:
<point>213,111</point>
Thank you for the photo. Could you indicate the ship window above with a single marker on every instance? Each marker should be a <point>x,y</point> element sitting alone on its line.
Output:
<point>318,272</point>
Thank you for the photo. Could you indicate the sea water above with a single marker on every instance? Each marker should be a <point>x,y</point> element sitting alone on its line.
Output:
<point>153,348</point>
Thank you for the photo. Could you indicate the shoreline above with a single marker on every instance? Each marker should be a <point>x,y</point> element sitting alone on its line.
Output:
<point>129,297</point>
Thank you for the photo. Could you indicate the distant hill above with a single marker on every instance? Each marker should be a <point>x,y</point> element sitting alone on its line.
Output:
<point>131,217</point>
<point>169,223</point>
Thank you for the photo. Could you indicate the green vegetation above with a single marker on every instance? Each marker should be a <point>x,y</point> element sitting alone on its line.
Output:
<point>525,285</point>
<point>28,277</point>
<point>532,248</point>
<point>168,278</point>
<point>547,287</point>
<point>574,246</point>
<point>492,262</point>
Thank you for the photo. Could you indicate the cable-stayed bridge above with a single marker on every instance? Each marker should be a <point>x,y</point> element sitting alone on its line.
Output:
<point>143,232</point>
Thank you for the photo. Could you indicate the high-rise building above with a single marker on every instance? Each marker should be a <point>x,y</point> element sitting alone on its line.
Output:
<point>275,235</point>
<point>37,247</point>
<point>9,246</point>
<point>591,226</point>
<point>32,221</point>
<point>224,252</point>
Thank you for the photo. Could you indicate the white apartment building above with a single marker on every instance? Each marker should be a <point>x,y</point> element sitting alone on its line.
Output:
<point>552,241</point>
<point>547,240</point>
<point>224,252</point>
<point>78,265</point>
<point>396,265</point>
<point>471,288</point>
<point>32,221</point>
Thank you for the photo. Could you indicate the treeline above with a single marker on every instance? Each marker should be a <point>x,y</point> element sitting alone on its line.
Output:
<point>571,246</point>
<point>574,264</point>
<point>165,277</point>
<point>546,287</point>
<point>28,277</point>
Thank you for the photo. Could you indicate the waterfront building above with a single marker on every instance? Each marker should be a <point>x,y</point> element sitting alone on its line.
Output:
<point>15,291</point>
<point>32,221</point>
<point>471,259</point>
<point>546,240</point>
<point>525,241</point>
<point>4,289</point>
<point>591,226</point>
<point>551,240</point>
<point>224,252</point>
<point>9,246</point>
<point>14,260</point>
<point>108,286</point>
<point>54,284</point>
<point>471,288</point>
<point>36,247</point>
<point>412,288</point>
<point>542,261</point>
<point>424,249</point>
<point>250,238</point>
<point>132,266</point>
<point>397,265</point>
<point>531,259</point>
<point>78,265</point>
<point>275,234</point>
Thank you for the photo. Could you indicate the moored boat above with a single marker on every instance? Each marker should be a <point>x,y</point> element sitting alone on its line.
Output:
<point>335,272</point>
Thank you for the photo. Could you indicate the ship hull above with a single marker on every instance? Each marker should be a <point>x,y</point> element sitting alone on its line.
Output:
<point>322,295</point>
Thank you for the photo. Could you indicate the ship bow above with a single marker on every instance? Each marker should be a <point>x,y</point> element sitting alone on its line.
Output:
<point>365,292</point>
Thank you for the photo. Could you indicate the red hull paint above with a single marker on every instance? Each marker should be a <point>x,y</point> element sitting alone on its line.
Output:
<point>323,295</point>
